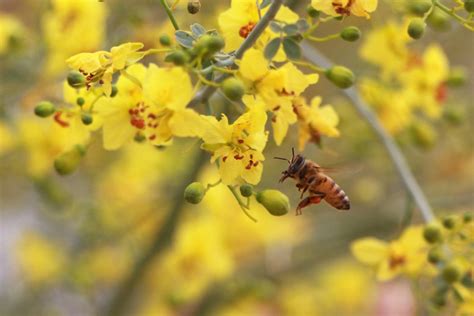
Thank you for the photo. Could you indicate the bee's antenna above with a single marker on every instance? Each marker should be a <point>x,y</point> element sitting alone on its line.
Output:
<point>293,153</point>
<point>282,159</point>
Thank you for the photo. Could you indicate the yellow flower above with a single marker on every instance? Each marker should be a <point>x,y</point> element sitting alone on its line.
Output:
<point>406,255</point>
<point>348,277</point>
<point>346,7</point>
<point>391,106</point>
<point>274,87</point>
<point>240,19</point>
<point>424,81</point>
<point>150,104</point>
<point>45,140</point>
<point>102,266</point>
<point>315,121</point>
<point>40,260</point>
<point>75,111</point>
<point>198,257</point>
<point>238,146</point>
<point>386,47</point>
<point>10,29</point>
<point>71,27</point>
<point>7,138</point>
<point>100,66</point>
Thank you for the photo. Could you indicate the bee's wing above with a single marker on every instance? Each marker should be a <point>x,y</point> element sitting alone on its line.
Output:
<point>341,169</point>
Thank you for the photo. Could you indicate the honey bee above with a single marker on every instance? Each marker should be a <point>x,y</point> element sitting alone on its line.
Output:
<point>310,178</point>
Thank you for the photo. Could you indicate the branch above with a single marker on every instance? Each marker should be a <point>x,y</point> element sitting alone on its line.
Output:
<point>161,241</point>
<point>166,231</point>
<point>393,151</point>
<point>168,11</point>
<point>204,94</point>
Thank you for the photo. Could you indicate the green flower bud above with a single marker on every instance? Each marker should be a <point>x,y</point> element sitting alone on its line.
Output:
<point>215,43</point>
<point>449,222</point>
<point>432,233</point>
<point>114,91</point>
<point>423,135</point>
<point>454,115</point>
<point>45,109</point>
<point>139,137</point>
<point>439,20</point>
<point>178,58</point>
<point>457,77</point>
<point>194,193</point>
<point>416,28</point>
<point>312,12</point>
<point>80,101</point>
<point>438,300</point>
<point>67,162</point>
<point>419,7</point>
<point>233,88</point>
<point>209,44</point>
<point>350,34</point>
<point>341,76</point>
<point>469,6</point>
<point>246,190</point>
<point>165,40</point>
<point>274,201</point>
<point>194,6</point>
<point>86,118</point>
<point>452,272</point>
<point>435,255</point>
<point>467,217</point>
<point>75,79</point>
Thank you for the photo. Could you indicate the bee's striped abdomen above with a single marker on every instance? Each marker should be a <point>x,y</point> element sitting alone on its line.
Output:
<point>335,196</point>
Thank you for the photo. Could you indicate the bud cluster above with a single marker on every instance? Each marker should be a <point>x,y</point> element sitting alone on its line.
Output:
<point>196,46</point>
<point>450,241</point>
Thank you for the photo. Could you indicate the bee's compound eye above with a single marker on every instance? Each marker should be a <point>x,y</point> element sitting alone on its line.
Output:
<point>297,164</point>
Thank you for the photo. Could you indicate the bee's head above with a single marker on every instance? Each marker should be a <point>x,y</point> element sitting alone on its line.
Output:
<point>294,165</point>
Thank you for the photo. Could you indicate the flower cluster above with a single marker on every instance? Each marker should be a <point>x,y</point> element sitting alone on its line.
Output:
<point>154,104</point>
<point>439,252</point>
<point>411,86</point>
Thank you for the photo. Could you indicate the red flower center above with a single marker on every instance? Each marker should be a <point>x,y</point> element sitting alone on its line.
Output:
<point>246,29</point>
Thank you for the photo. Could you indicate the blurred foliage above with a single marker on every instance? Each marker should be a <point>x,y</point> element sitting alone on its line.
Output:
<point>69,243</point>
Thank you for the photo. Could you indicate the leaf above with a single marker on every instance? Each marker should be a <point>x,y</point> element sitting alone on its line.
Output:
<point>290,29</point>
<point>272,48</point>
<point>275,27</point>
<point>291,48</point>
<point>265,3</point>
<point>185,39</point>
<point>212,32</point>
<point>197,29</point>
<point>303,26</point>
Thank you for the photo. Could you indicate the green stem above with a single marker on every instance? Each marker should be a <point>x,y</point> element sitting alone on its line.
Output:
<point>162,239</point>
<point>91,108</point>
<point>322,39</point>
<point>241,203</point>
<point>207,92</point>
<point>211,185</point>
<point>131,78</point>
<point>170,14</point>
<point>157,51</point>
<point>309,65</point>
<point>445,9</point>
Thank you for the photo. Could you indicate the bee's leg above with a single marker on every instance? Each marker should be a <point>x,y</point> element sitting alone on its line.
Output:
<point>305,188</point>
<point>313,199</point>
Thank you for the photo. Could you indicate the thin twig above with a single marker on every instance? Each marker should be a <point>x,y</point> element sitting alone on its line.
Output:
<point>394,152</point>
<point>170,14</point>
<point>166,231</point>
<point>161,241</point>
<point>208,91</point>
